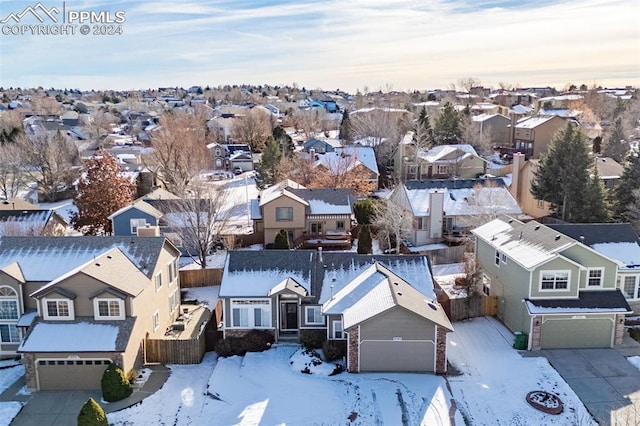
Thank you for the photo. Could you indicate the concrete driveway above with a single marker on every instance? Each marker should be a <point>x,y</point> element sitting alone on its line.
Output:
<point>607,384</point>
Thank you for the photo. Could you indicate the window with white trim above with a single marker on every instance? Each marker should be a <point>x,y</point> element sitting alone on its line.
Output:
<point>156,320</point>
<point>9,333</point>
<point>251,313</point>
<point>8,304</point>
<point>422,223</point>
<point>313,314</point>
<point>55,309</point>
<point>338,333</point>
<point>158,281</point>
<point>339,225</point>
<point>137,223</point>
<point>631,286</point>
<point>173,270</point>
<point>442,169</point>
<point>595,277</point>
<point>497,259</point>
<point>174,300</point>
<point>503,258</point>
<point>284,214</point>
<point>486,285</point>
<point>554,280</point>
<point>108,309</point>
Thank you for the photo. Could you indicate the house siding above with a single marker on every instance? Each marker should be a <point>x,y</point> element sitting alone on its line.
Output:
<point>122,222</point>
<point>590,259</point>
<point>397,322</point>
<point>557,264</point>
<point>272,227</point>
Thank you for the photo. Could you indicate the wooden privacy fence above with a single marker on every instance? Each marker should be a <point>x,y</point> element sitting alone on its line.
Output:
<point>178,351</point>
<point>470,307</point>
<point>200,277</point>
<point>443,256</point>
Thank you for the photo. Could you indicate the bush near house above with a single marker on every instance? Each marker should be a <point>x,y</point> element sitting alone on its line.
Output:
<point>115,385</point>
<point>92,414</point>
<point>635,333</point>
<point>313,339</point>
<point>253,341</point>
<point>334,349</point>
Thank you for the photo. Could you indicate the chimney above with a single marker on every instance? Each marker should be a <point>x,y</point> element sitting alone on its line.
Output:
<point>436,214</point>
<point>516,178</point>
<point>320,253</point>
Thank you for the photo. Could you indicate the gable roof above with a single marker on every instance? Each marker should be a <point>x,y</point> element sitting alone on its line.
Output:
<point>448,152</point>
<point>326,200</point>
<point>48,258</point>
<point>141,205</point>
<point>529,244</point>
<point>345,159</point>
<point>617,241</point>
<point>462,197</point>
<point>281,188</point>
<point>23,222</point>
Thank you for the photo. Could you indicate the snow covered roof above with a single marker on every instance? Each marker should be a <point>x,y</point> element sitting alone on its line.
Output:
<point>462,197</point>
<point>326,200</point>
<point>601,301</point>
<point>279,189</point>
<point>47,258</point>
<point>82,335</point>
<point>520,109</point>
<point>448,153</point>
<point>141,205</point>
<point>532,122</point>
<point>529,244</point>
<point>345,159</point>
<point>24,222</point>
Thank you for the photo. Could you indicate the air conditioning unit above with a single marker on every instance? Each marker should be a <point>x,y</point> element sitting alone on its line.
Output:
<point>177,326</point>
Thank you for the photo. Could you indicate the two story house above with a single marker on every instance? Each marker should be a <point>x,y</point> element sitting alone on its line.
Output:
<point>320,217</point>
<point>558,291</point>
<point>382,307</point>
<point>73,305</point>
<point>440,207</point>
<point>532,135</point>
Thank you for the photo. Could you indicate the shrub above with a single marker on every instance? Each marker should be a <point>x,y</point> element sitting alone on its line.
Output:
<point>115,385</point>
<point>313,339</point>
<point>635,333</point>
<point>364,240</point>
<point>92,414</point>
<point>253,341</point>
<point>334,349</point>
<point>132,375</point>
<point>337,370</point>
<point>282,240</point>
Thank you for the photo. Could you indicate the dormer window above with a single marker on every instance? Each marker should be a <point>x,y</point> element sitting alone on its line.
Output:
<point>58,309</point>
<point>108,309</point>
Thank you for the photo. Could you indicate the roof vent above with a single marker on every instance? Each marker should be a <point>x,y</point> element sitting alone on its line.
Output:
<point>399,294</point>
<point>109,257</point>
<point>432,306</point>
<point>557,237</point>
<point>97,264</point>
<point>536,228</point>
<point>395,283</point>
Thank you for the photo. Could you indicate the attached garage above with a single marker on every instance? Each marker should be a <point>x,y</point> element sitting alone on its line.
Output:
<point>578,331</point>
<point>70,374</point>
<point>399,355</point>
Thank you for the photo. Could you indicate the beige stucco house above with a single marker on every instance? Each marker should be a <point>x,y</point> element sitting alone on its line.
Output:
<point>532,135</point>
<point>80,303</point>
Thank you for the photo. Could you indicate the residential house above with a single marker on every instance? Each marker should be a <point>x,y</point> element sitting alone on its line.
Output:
<point>239,156</point>
<point>617,241</point>
<point>558,291</point>
<point>532,135</point>
<point>523,173</point>
<point>36,222</point>
<point>73,305</point>
<point>359,161</point>
<point>609,171</point>
<point>321,146</point>
<point>382,307</point>
<point>492,129</point>
<point>311,217</point>
<point>450,207</point>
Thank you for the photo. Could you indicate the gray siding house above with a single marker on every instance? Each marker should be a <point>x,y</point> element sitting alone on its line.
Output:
<point>558,291</point>
<point>382,307</point>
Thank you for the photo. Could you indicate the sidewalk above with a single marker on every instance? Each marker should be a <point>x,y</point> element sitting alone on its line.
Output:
<point>61,408</point>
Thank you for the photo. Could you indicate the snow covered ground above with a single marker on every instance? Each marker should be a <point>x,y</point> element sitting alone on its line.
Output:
<point>10,371</point>
<point>496,379</point>
<point>269,388</point>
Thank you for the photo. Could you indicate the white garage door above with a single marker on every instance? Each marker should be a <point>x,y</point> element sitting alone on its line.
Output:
<point>70,374</point>
<point>404,355</point>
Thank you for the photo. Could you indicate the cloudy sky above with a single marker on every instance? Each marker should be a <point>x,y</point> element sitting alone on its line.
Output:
<point>346,44</point>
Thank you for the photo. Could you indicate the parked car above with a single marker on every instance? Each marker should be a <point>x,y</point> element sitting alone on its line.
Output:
<point>238,170</point>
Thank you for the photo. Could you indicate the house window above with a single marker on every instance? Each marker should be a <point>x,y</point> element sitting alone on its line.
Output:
<point>8,304</point>
<point>631,287</point>
<point>413,170</point>
<point>173,270</point>
<point>503,258</point>
<point>314,315</point>
<point>174,300</point>
<point>338,333</point>
<point>156,320</point>
<point>486,285</point>
<point>422,223</point>
<point>284,214</point>
<point>251,313</point>
<point>158,280</point>
<point>595,277</point>
<point>554,280</point>
<point>136,223</point>
<point>339,225</point>
<point>58,309</point>
<point>497,259</point>
<point>111,309</point>
<point>442,169</point>
<point>540,204</point>
<point>9,333</point>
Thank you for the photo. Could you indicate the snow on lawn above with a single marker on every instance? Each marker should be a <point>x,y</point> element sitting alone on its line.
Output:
<point>270,388</point>
<point>635,360</point>
<point>496,379</point>
<point>10,371</point>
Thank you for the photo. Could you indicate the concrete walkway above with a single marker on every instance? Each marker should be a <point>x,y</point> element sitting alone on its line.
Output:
<point>61,408</point>
<point>606,383</point>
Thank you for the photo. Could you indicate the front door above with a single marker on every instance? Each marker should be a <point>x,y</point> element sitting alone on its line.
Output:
<point>316,228</point>
<point>289,316</point>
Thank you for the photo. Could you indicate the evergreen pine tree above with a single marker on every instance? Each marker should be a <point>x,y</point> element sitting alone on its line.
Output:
<point>364,240</point>
<point>284,140</point>
<point>346,128</point>
<point>447,128</point>
<point>596,147</point>
<point>616,147</point>
<point>629,181</point>
<point>423,133</point>
<point>282,240</point>
<point>562,175</point>
<point>596,207</point>
<point>269,163</point>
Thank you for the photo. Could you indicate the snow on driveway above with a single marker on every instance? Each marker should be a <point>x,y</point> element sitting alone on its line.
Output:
<point>496,379</point>
<point>10,371</point>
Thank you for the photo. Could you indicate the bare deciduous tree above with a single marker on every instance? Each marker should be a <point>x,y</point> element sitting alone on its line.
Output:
<point>392,224</point>
<point>12,176</point>
<point>46,106</point>
<point>179,150</point>
<point>100,123</point>
<point>252,129</point>
<point>342,170</point>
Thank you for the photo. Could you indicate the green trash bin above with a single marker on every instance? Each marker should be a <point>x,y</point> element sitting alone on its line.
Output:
<point>520,341</point>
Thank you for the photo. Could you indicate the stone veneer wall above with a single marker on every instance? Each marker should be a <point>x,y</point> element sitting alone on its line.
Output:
<point>619,330</point>
<point>441,350</point>
<point>352,350</point>
<point>536,333</point>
